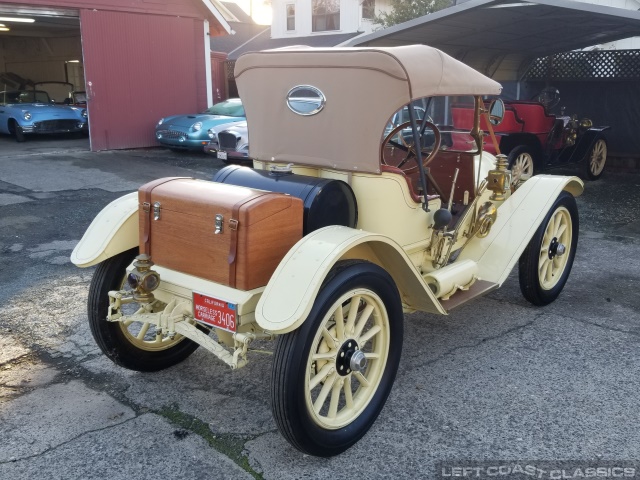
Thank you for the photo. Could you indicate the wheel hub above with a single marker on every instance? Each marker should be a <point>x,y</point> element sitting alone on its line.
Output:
<point>556,248</point>
<point>350,358</point>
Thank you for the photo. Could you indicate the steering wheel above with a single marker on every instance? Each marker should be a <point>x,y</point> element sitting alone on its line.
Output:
<point>549,97</point>
<point>390,148</point>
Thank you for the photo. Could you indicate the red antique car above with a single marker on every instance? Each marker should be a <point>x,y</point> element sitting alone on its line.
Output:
<point>536,141</point>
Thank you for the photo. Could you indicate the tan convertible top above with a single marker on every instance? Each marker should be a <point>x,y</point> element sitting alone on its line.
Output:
<point>363,87</point>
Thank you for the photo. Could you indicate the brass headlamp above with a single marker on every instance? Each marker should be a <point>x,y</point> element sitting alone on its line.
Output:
<point>586,123</point>
<point>143,280</point>
<point>499,179</point>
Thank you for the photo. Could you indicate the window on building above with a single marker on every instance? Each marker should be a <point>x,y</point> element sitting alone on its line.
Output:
<point>291,16</point>
<point>369,9</point>
<point>325,15</point>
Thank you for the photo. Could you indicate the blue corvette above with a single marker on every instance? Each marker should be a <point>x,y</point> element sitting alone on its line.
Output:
<point>191,131</point>
<point>25,112</point>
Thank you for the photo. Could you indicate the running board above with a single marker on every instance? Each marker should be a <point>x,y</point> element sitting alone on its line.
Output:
<point>479,288</point>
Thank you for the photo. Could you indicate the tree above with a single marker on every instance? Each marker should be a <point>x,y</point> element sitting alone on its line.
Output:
<point>405,10</point>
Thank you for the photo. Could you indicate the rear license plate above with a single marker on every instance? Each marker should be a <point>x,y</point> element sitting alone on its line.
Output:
<point>214,312</point>
<point>222,155</point>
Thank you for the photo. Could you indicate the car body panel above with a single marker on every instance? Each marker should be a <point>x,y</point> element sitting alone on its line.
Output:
<point>178,284</point>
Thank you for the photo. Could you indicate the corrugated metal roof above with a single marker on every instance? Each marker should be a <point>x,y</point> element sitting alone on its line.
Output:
<point>502,37</point>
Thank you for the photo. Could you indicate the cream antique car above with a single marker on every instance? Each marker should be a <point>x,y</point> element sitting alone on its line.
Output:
<point>341,228</point>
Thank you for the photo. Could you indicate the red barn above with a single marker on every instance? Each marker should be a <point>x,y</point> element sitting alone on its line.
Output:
<point>138,60</point>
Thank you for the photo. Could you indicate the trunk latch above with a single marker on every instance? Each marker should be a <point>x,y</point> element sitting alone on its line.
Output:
<point>156,211</point>
<point>219,223</point>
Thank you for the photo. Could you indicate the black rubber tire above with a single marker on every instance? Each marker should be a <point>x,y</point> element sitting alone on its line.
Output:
<point>529,277</point>
<point>519,150</point>
<point>290,362</point>
<point>587,171</point>
<point>17,131</point>
<point>109,335</point>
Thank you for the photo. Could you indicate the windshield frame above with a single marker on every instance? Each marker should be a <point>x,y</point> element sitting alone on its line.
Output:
<point>17,94</point>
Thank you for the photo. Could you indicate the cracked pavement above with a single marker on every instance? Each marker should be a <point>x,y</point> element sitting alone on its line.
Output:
<point>497,379</point>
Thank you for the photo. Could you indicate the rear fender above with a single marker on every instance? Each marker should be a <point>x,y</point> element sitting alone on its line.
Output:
<point>291,291</point>
<point>114,230</point>
<point>518,219</point>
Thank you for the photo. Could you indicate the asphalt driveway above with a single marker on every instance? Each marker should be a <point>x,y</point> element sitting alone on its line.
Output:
<point>497,380</point>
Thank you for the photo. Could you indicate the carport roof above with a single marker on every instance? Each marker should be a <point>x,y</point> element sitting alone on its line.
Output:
<point>500,38</point>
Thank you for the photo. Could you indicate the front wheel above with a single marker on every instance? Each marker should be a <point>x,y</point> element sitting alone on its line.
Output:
<point>597,159</point>
<point>17,131</point>
<point>546,262</point>
<point>331,377</point>
<point>134,345</point>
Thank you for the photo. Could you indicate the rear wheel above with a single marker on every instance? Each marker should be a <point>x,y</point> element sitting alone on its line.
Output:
<point>521,164</point>
<point>134,345</point>
<point>331,377</point>
<point>546,263</point>
<point>597,159</point>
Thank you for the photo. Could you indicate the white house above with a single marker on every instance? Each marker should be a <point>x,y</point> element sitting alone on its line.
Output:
<point>304,18</point>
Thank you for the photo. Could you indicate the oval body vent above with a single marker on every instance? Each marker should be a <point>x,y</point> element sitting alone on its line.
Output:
<point>305,100</point>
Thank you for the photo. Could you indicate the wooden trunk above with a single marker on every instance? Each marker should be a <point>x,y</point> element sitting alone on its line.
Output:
<point>255,229</point>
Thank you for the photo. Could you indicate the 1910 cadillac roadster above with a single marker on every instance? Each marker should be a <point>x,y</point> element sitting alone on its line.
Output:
<point>326,244</point>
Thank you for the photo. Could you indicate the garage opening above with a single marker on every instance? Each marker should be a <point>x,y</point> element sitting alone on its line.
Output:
<point>42,85</point>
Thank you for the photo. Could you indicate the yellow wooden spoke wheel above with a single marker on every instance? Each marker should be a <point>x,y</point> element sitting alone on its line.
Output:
<point>144,335</point>
<point>521,164</point>
<point>546,262</point>
<point>332,376</point>
<point>133,345</point>
<point>553,251</point>
<point>597,159</point>
<point>347,359</point>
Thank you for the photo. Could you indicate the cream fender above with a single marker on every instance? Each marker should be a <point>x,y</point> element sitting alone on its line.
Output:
<point>114,230</point>
<point>289,295</point>
<point>518,219</point>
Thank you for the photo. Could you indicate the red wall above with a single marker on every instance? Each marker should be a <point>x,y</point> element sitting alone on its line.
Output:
<point>139,68</point>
